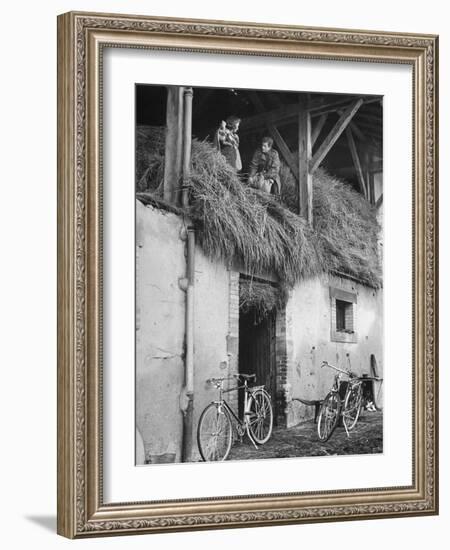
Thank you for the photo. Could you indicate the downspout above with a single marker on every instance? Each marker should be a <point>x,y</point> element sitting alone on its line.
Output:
<point>187,395</point>
<point>187,143</point>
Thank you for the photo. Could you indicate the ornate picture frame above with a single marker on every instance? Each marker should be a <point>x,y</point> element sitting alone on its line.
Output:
<point>82,40</point>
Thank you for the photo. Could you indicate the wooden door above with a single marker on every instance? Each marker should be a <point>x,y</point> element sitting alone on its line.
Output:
<point>257,350</point>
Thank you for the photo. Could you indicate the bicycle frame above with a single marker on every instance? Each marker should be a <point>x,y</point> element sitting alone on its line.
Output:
<point>221,402</point>
<point>353,381</point>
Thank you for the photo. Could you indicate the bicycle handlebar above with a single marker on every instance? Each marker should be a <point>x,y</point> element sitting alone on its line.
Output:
<point>218,381</point>
<point>343,371</point>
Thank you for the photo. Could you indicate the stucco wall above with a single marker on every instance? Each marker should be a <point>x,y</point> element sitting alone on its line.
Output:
<point>303,335</point>
<point>160,331</point>
<point>160,306</point>
<point>308,329</point>
<point>211,329</point>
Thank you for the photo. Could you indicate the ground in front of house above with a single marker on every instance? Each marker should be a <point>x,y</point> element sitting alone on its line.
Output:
<point>302,440</point>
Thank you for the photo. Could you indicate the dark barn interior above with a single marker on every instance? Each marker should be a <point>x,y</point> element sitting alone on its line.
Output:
<point>357,149</point>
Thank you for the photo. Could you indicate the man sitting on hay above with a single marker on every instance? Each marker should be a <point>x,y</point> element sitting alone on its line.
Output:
<point>265,168</point>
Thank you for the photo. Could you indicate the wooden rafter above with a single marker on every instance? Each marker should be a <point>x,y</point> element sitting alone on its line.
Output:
<point>289,113</point>
<point>282,115</point>
<point>318,128</point>
<point>334,134</point>
<point>368,176</point>
<point>356,129</point>
<point>356,162</point>
<point>334,106</point>
<point>284,150</point>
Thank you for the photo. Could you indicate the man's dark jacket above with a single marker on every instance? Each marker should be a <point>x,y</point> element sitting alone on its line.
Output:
<point>267,164</point>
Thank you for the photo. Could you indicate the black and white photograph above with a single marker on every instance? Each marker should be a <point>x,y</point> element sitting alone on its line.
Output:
<point>221,322</point>
<point>259,274</point>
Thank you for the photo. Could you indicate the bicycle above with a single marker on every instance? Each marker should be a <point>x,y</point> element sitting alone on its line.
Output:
<point>215,426</point>
<point>332,408</point>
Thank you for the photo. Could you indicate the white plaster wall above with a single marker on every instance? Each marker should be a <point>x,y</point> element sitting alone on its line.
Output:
<point>160,330</point>
<point>211,328</point>
<point>160,307</point>
<point>309,328</point>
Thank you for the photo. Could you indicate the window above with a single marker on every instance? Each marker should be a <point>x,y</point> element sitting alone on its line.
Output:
<point>343,310</point>
<point>344,316</point>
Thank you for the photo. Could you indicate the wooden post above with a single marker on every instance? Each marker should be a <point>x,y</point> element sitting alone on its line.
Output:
<point>368,175</point>
<point>318,128</point>
<point>187,142</point>
<point>304,159</point>
<point>174,143</point>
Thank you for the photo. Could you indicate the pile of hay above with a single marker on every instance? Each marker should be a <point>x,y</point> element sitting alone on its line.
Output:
<point>348,229</point>
<point>289,187</point>
<point>150,150</point>
<point>242,223</point>
<point>237,221</point>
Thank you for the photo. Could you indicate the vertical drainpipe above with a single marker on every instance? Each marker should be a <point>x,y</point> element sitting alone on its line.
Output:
<point>187,402</point>
<point>187,142</point>
<point>188,391</point>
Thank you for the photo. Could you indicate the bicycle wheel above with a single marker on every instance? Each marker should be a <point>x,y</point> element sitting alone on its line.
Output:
<point>260,421</point>
<point>352,406</point>
<point>214,433</point>
<point>328,416</point>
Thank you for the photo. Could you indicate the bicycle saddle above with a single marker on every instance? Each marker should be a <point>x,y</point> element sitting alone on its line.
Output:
<point>247,377</point>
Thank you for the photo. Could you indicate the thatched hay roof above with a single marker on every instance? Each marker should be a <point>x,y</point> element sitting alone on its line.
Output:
<point>261,298</point>
<point>241,223</point>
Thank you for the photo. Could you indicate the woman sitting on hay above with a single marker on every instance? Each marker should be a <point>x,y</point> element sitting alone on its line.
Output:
<point>265,168</point>
<point>226,140</point>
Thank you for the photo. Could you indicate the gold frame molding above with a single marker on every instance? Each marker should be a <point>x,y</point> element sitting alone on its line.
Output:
<point>81,37</point>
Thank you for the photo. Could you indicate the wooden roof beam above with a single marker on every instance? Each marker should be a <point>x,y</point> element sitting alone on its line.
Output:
<point>289,113</point>
<point>337,105</point>
<point>318,128</point>
<point>335,133</point>
<point>356,162</point>
<point>356,129</point>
